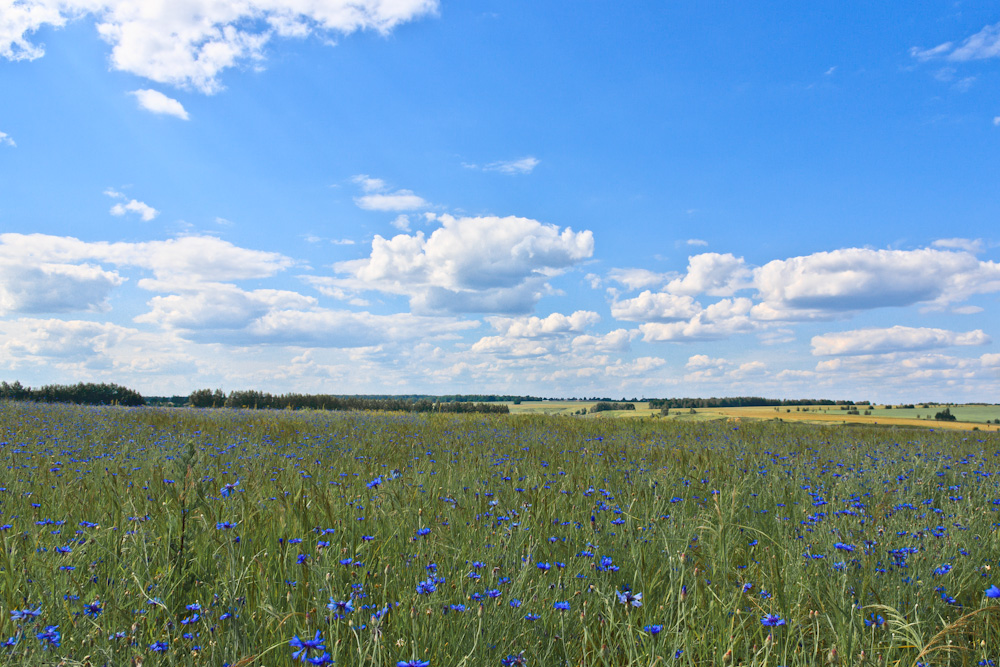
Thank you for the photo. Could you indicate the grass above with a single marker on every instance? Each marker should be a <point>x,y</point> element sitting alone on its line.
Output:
<point>185,537</point>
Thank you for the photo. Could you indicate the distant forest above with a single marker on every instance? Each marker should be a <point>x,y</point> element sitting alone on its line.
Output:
<point>86,393</point>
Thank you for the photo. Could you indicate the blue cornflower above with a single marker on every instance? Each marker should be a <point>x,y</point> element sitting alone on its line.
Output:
<point>875,620</point>
<point>993,592</point>
<point>158,647</point>
<point>772,620</point>
<point>543,566</point>
<point>49,636</point>
<point>747,587</point>
<point>514,660</point>
<point>345,607</point>
<point>229,488</point>
<point>224,525</point>
<point>493,593</point>
<point>374,483</point>
<point>25,614</point>
<point>93,609</point>
<point>561,606</point>
<point>426,587</point>
<point>653,629</point>
<point>304,646</point>
<point>515,603</point>
<point>413,663</point>
<point>628,598</point>
<point>423,531</point>
<point>531,617</point>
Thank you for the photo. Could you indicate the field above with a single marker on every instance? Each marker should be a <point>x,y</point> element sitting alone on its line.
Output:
<point>222,537</point>
<point>968,417</point>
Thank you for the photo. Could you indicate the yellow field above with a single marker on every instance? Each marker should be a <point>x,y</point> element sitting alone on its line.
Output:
<point>809,414</point>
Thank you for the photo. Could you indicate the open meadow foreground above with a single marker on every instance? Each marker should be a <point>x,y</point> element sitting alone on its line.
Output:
<point>223,537</point>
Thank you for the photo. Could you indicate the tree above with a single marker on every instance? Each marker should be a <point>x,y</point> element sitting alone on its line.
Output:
<point>945,416</point>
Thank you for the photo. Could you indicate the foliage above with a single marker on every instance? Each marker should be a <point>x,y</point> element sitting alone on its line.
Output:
<point>247,537</point>
<point>82,393</point>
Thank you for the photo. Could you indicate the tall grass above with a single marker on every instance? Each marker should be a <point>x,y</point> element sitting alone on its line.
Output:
<point>177,537</point>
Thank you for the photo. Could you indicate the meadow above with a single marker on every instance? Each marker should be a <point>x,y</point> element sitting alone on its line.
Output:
<point>149,536</point>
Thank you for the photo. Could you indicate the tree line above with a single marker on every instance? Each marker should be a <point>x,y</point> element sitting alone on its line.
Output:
<point>258,400</point>
<point>740,401</point>
<point>82,393</point>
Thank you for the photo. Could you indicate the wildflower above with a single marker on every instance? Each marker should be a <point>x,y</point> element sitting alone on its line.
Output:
<point>993,592</point>
<point>93,609</point>
<point>158,647</point>
<point>515,603</point>
<point>345,606</point>
<point>49,636</point>
<point>514,660</point>
<point>374,483</point>
<point>531,617</point>
<point>628,598</point>
<point>426,587</point>
<point>543,566</point>
<point>304,646</point>
<point>413,663</point>
<point>561,606</point>
<point>228,489</point>
<point>302,558</point>
<point>875,620</point>
<point>653,629</point>
<point>25,614</point>
<point>772,620</point>
<point>224,525</point>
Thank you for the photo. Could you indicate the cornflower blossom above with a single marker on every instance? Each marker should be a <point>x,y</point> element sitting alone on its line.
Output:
<point>413,663</point>
<point>158,647</point>
<point>992,592</point>
<point>25,614</point>
<point>93,609</point>
<point>771,620</point>
<point>345,606</point>
<point>227,489</point>
<point>514,660</point>
<point>628,598</point>
<point>561,606</point>
<point>49,636</point>
<point>304,647</point>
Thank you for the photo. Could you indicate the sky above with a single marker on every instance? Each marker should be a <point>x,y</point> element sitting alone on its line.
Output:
<point>642,199</point>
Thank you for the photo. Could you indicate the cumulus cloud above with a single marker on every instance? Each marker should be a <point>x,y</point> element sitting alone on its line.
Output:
<point>825,284</point>
<point>655,307</point>
<point>189,44</point>
<point>215,312</point>
<point>541,327</point>
<point>6,140</point>
<point>983,44</point>
<point>892,339</point>
<point>53,288</point>
<point>156,102</point>
<point>718,320</point>
<point>142,209</point>
<point>481,264</point>
<point>713,274</point>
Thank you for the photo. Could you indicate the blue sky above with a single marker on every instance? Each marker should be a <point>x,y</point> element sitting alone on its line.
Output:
<point>419,196</point>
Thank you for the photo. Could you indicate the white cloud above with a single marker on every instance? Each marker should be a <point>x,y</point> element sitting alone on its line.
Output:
<point>523,165</point>
<point>655,307</point>
<point>983,44</point>
<point>542,327</point>
<point>639,278</point>
<point>714,274</point>
<point>400,200</point>
<point>184,260</point>
<point>973,246</point>
<point>827,284</point>
<point>401,222</point>
<point>156,102</point>
<point>484,264</point>
<point>996,121</point>
<point>46,287</point>
<point>719,320</point>
<point>379,198</point>
<point>893,339</point>
<point>190,43</point>
<point>145,211</point>
<point>696,242</point>
<point>6,140</point>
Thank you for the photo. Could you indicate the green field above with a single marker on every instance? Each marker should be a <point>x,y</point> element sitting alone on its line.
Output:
<point>223,537</point>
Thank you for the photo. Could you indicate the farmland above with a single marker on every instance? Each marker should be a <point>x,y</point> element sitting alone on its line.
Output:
<point>212,537</point>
